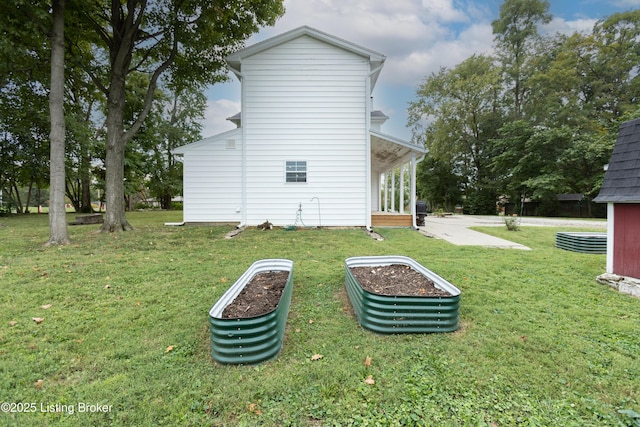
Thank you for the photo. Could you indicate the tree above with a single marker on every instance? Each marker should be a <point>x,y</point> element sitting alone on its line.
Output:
<point>438,183</point>
<point>456,116</point>
<point>84,126</point>
<point>177,126</point>
<point>516,32</point>
<point>613,65</point>
<point>25,72</point>
<point>24,78</point>
<point>24,124</point>
<point>58,234</point>
<point>182,42</point>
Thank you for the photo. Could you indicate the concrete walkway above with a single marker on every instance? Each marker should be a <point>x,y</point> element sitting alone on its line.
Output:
<point>455,229</point>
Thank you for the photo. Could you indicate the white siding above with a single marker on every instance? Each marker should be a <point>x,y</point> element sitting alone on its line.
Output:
<point>213,179</point>
<point>306,100</point>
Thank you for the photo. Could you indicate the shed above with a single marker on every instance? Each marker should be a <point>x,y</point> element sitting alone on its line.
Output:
<point>621,191</point>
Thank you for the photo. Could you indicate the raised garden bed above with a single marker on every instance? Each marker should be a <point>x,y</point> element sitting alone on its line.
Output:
<point>400,296</point>
<point>584,242</point>
<point>252,331</point>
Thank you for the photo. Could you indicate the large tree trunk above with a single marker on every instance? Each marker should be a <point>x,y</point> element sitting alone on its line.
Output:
<point>115,219</point>
<point>125,28</point>
<point>58,233</point>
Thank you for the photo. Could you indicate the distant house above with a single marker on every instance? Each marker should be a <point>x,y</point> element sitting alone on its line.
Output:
<point>621,191</point>
<point>307,145</point>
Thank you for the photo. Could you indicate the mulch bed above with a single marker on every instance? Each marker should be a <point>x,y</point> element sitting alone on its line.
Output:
<point>396,280</point>
<point>260,296</point>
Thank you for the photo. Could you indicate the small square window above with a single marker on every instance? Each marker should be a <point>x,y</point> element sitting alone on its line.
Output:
<point>296,171</point>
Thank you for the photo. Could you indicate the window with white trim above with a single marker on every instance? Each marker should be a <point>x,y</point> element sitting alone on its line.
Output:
<point>296,171</point>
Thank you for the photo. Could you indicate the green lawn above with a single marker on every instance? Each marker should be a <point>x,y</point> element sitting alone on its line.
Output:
<point>541,343</point>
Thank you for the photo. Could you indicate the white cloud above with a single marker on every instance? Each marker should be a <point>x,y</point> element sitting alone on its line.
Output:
<point>420,63</point>
<point>215,120</point>
<point>418,37</point>
<point>444,10</point>
<point>627,3</point>
<point>562,26</point>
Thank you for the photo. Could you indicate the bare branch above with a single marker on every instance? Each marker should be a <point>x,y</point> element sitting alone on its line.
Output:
<point>151,89</point>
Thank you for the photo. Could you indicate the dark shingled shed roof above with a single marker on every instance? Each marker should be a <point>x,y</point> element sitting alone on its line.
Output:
<point>622,179</point>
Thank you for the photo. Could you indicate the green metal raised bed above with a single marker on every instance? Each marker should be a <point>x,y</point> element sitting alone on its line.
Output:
<point>387,314</point>
<point>252,340</point>
<point>584,242</point>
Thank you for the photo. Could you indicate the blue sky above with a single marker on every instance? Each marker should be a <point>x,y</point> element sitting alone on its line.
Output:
<point>418,37</point>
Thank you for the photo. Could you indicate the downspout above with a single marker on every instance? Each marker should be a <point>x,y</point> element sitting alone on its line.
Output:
<point>243,138</point>
<point>368,107</point>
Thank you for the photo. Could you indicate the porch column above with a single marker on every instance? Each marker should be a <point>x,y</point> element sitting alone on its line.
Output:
<point>402,188</point>
<point>378,189</point>
<point>393,190</point>
<point>386,191</point>
<point>375,192</point>
<point>414,165</point>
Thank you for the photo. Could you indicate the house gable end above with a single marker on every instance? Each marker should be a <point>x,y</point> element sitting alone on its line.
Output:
<point>375,59</point>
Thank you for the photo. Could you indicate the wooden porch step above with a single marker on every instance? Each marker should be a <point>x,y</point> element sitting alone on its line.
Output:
<point>390,220</point>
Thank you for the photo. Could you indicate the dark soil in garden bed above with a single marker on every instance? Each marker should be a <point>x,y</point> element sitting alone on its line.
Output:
<point>260,296</point>
<point>396,280</point>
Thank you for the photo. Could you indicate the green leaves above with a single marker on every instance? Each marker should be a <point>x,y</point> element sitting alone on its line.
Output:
<point>541,117</point>
<point>457,116</point>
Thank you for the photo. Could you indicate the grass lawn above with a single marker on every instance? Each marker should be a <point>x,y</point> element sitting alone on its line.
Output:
<point>540,343</point>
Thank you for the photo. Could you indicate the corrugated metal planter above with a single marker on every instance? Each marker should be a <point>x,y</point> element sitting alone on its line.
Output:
<point>255,339</point>
<point>402,314</point>
<point>584,242</point>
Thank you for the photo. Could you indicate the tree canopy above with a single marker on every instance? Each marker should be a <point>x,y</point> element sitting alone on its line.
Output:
<point>539,118</point>
<point>135,73</point>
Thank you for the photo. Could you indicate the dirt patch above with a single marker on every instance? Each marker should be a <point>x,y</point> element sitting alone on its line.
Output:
<point>396,280</point>
<point>260,296</point>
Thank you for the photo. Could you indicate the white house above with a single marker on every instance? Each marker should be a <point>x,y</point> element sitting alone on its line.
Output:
<point>307,144</point>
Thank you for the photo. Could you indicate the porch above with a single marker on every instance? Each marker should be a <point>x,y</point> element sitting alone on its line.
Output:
<point>393,181</point>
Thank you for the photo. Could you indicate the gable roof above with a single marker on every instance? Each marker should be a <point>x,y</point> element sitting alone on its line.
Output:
<point>622,179</point>
<point>228,135</point>
<point>376,59</point>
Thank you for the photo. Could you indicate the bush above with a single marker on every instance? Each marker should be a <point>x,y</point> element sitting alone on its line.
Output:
<point>512,223</point>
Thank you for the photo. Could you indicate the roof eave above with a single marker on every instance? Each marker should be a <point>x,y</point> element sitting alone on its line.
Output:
<point>406,144</point>
<point>235,59</point>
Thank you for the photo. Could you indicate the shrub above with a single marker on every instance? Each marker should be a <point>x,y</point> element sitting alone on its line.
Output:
<point>512,223</point>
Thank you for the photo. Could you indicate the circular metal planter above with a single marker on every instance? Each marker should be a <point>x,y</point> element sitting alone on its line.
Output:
<point>583,242</point>
<point>255,339</point>
<point>402,314</point>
